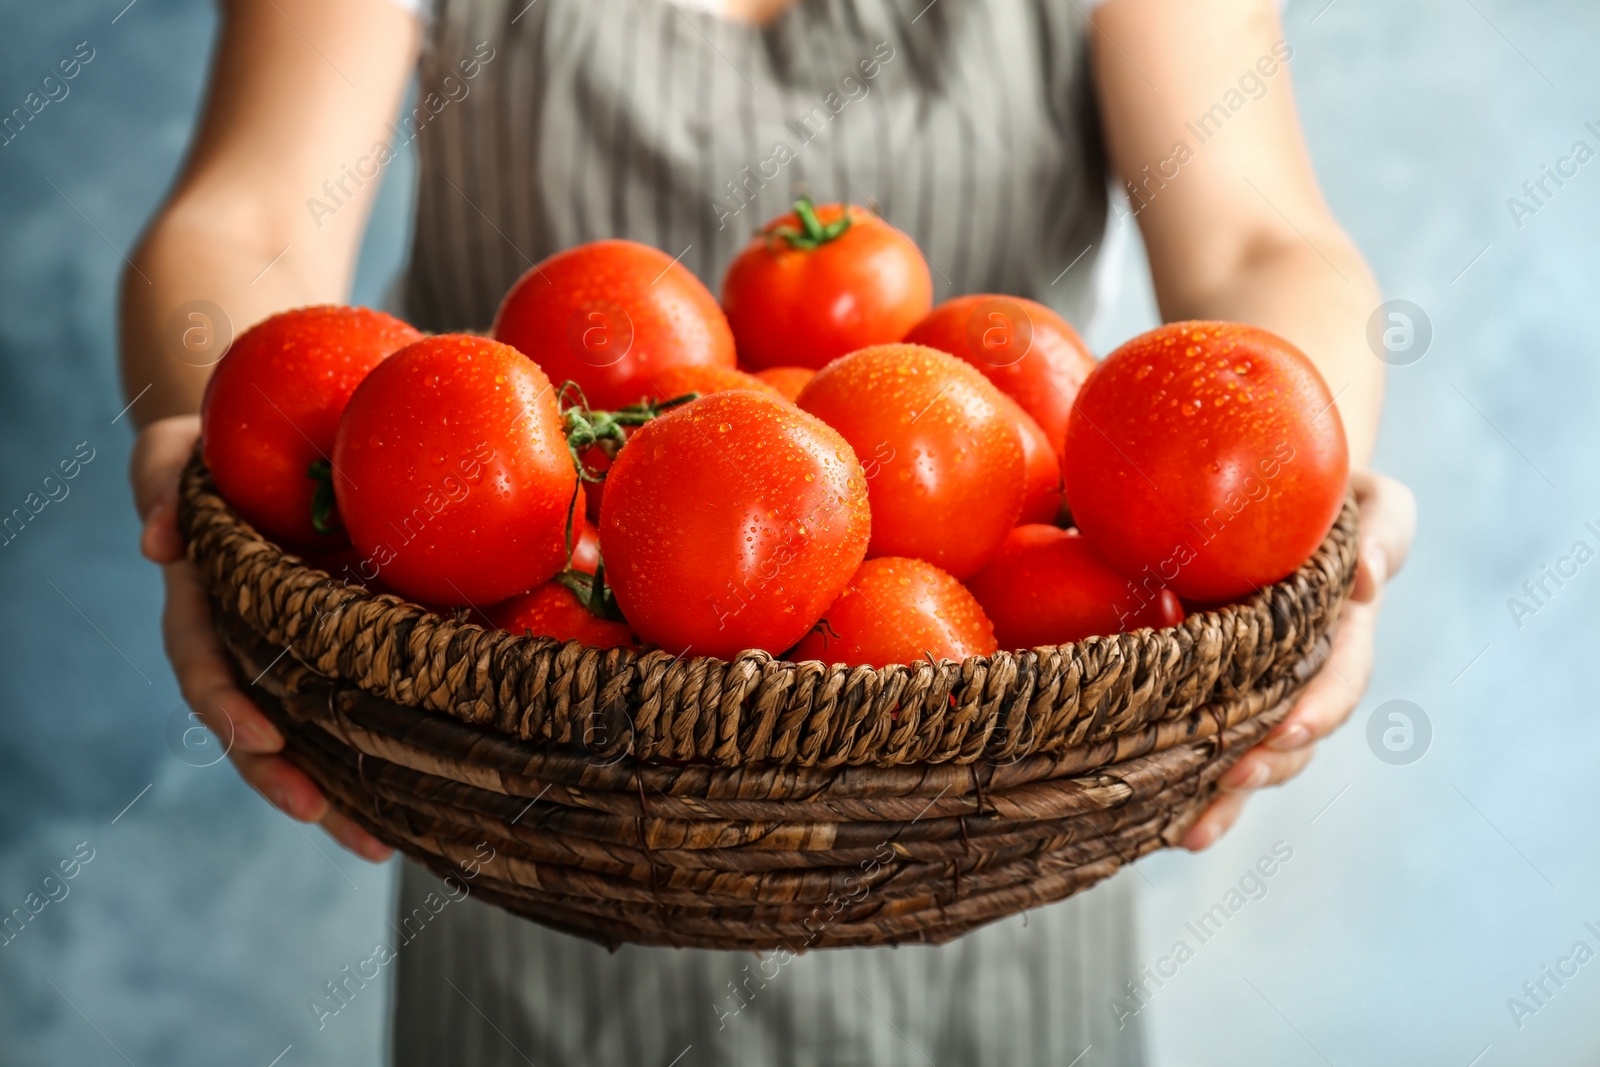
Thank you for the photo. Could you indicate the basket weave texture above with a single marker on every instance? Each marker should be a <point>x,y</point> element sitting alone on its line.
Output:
<point>638,797</point>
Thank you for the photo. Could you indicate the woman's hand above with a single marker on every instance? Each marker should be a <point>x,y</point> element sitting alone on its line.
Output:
<point>204,675</point>
<point>1388,519</point>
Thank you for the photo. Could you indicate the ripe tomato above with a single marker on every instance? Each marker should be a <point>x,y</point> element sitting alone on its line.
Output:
<point>585,545</point>
<point>787,380</point>
<point>553,610</point>
<point>1041,500</point>
<point>609,315</point>
<point>273,404</point>
<point>731,523</point>
<point>820,282</point>
<point>1206,456</point>
<point>1028,351</point>
<point>944,463</point>
<point>898,610</point>
<point>705,380</point>
<point>1046,586</point>
<point>452,472</point>
<point>596,461</point>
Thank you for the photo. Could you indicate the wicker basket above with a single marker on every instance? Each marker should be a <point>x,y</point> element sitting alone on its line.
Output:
<point>634,797</point>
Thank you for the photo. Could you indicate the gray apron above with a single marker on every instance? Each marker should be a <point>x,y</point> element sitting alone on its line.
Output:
<point>970,124</point>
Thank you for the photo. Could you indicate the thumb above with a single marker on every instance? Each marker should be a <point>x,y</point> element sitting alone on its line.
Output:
<point>159,453</point>
<point>1388,522</point>
<point>159,541</point>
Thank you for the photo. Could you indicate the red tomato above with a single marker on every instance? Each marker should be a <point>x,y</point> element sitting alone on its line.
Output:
<point>272,406</point>
<point>1041,501</point>
<point>595,461</point>
<point>730,523</point>
<point>897,611</point>
<point>611,314</point>
<point>820,282</point>
<point>1206,456</point>
<point>787,380</point>
<point>452,472</point>
<point>1028,351</point>
<point>943,459</point>
<point>553,610</point>
<point>1046,586</point>
<point>677,381</point>
<point>585,545</point>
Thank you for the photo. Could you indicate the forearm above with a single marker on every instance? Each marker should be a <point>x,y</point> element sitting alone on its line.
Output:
<point>284,121</point>
<point>1319,297</point>
<point>222,257</point>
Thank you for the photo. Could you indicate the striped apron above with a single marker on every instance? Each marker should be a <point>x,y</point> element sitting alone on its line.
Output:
<point>970,124</point>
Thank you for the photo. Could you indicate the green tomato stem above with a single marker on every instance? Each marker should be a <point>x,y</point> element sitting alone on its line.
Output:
<point>812,234</point>
<point>324,508</point>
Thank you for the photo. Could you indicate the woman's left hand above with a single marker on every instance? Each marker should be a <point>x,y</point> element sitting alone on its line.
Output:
<point>1388,519</point>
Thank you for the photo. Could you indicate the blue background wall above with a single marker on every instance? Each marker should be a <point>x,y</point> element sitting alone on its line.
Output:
<point>1419,897</point>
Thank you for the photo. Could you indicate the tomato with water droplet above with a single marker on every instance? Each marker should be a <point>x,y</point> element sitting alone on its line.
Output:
<point>898,610</point>
<point>487,521</point>
<point>553,610</point>
<point>731,523</point>
<point>1029,352</point>
<point>272,407</point>
<point>610,315</point>
<point>1047,586</point>
<point>940,446</point>
<point>1226,497</point>
<point>822,281</point>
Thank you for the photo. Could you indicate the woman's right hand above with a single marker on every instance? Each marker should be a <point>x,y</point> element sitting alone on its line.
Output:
<point>205,676</point>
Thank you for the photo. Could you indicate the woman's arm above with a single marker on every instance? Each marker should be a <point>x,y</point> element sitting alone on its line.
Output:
<point>299,91</point>
<point>1201,126</point>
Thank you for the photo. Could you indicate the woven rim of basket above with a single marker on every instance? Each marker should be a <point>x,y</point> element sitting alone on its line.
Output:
<point>756,708</point>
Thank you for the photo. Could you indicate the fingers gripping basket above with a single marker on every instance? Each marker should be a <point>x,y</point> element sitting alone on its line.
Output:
<point>638,797</point>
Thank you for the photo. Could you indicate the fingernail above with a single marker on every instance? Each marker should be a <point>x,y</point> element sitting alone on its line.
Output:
<point>375,851</point>
<point>1199,837</point>
<point>1251,774</point>
<point>301,804</point>
<point>147,545</point>
<point>258,735</point>
<point>1290,737</point>
<point>281,797</point>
